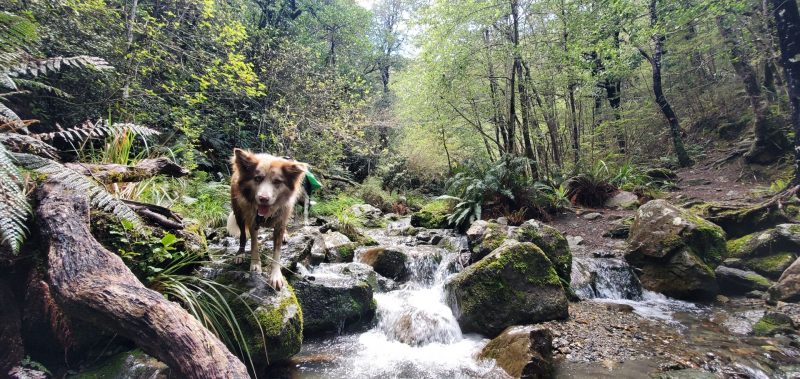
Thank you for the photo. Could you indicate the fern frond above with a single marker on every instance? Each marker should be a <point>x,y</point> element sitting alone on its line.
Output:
<point>8,116</point>
<point>14,207</point>
<point>47,65</point>
<point>7,82</point>
<point>97,129</point>
<point>16,32</point>
<point>32,84</point>
<point>98,196</point>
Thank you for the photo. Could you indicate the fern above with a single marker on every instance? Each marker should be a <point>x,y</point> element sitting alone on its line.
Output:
<point>98,196</point>
<point>36,67</point>
<point>14,207</point>
<point>101,128</point>
<point>32,84</point>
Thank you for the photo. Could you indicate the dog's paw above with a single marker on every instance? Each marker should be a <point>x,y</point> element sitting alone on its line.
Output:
<point>255,267</point>
<point>276,279</point>
<point>238,259</point>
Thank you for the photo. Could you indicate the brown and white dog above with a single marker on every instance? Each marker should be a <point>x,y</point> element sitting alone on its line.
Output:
<point>264,189</point>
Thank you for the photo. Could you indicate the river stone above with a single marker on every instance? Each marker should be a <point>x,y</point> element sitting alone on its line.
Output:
<point>133,364</point>
<point>622,200</point>
<point>297,250</point>
<point>592,216</point>
<point>434,214</point>
<point>338,247</point>
<point>401,227</point>
<point>334,302</point>
<point>484,237</point>
<point>552,243</point>
<point>515,284</point>
<point>737,282</point>
<point>366,212</point>
<point>604,278</point>
<point>773,323</point>
<point>261,309</point>
<point>788,286</point>
<point>522,351</point>
<point>387,261</point>
<point>675,251</point>
<point>768,252</point>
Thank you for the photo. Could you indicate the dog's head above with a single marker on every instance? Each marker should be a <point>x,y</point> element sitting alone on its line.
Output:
<point>267,181</point>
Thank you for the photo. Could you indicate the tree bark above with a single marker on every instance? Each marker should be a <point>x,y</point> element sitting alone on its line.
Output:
<point>787,23</point>
<point>769,142</point>
<point>92,284</point>
<point>109,173</point>
<point>661,100</point>
<point>11,348</point>
<point>498,119</point>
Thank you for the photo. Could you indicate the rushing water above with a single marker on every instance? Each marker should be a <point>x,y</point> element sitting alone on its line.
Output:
<point>416,335</point>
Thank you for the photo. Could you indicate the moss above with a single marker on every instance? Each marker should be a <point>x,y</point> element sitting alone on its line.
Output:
<point>345,252</point>
<point>433,215</point>
<point>526,258</point>
<point>110,368</point>
<point>771,265</point>
<point>736,247</point>
<point>552,243</point>
<point>283,338</point>
<point>773,323</point>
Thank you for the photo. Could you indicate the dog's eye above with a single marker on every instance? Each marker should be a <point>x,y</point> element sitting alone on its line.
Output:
<point>277,182</point>
<point>258,178</point>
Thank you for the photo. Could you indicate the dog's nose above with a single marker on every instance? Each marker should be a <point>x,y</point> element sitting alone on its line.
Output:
<point>263,198</point>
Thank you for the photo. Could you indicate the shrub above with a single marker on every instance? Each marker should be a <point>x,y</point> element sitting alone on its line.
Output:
<point>591,188</point>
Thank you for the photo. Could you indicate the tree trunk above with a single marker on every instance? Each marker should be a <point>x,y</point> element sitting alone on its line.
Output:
<point>109,173</point>
<point>576,138</point>
<point>11,348</point>
<point>526,119</point>
<point>93,284</point>
<point>769,142</point>
<point>787,23</point>
<point>661,100</point>
<point>498,118</point>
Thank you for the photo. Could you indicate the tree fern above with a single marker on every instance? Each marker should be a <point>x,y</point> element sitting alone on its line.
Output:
<point>98,196</point>
<point>14,207</point>
<point>101,128</point>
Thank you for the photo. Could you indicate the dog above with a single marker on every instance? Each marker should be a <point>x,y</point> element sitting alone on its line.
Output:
<point>264,189</point>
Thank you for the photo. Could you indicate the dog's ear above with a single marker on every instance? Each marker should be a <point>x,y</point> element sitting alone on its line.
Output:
<point>293,170</point>
<point>245,160</point>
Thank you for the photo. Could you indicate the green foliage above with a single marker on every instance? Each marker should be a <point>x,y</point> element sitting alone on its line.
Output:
<point>146,256</point>
<point>334,206</point>
<point>201,200</point>
<point>591,188</point>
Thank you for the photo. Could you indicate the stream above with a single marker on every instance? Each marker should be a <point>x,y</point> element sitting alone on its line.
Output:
<point>415,334</point>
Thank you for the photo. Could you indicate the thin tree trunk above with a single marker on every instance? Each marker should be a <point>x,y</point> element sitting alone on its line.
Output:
<point>787,23</point>
<point>661,100</point>
<point>576,144</point>
<point>769,143</point>
<point>498,119</point>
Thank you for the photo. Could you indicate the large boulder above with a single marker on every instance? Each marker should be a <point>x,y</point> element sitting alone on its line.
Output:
<point>768,252</point>
<point>788,286</point>
<point>622,200</point>
<point>262,311</point>
<point>515,284</point>
<point>522,351</point>
<point>675,251</point>
<point>334,300</point>
<point>484,237</point>
<point>434,214</point>
<point>338,247</point>
<point>387,261</point>
<point>738,282</point>
<point>552,243</point>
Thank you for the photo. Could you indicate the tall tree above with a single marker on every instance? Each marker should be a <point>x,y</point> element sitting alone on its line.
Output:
<point>787,24</point>
<point>656,61</point>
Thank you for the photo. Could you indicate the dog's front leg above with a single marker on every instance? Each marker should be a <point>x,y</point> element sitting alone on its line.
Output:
<point>275,276</point>
<point>255,255</point>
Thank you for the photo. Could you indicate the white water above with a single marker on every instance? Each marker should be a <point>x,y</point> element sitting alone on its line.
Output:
<point>416,334</point>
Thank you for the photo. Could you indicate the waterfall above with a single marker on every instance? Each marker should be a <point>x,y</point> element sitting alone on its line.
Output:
<point>604,278</point>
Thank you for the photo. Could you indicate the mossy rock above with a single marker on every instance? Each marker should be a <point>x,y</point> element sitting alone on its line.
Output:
<point>788,286</point>
<point>386,261</point>
<point>261,309</point>
<point>134,364</point>
<point>675,250</point>
<point>771,266</point>
<point>335,303</point>
<point>552,243</point>
<point>742,219</point>
<point>738,282</point>
<point>661,173</point>
<point>434,214</point>
<point>484,237</point>
<point>522,351</point>
<point>515,284</point>
<point>773,323</point>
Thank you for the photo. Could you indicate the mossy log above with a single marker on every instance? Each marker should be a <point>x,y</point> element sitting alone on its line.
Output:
<point>92,284</point>
<point>109,173</point>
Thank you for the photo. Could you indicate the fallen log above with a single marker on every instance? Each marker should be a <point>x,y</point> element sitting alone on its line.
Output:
<point>157,214</point>
<point>109,173</point>
<point>92,284</point>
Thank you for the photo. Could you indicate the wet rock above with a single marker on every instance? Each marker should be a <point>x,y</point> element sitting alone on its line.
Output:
<point>515,284</point>
<point>431,236</point>
<point>675,251</point>
<point>604,278</point>
<point>522,351</point>
<point>298,249</point>
<point>20,372</point>
<point>386,261</point>
<point>133,364</point>
<point>552,243</point>
<point>433,215</point>
<point>688,373</point>
<point>774,323</point>
<point>768,252</point>
<point>788,286</point>
<point>484,237</point>
<point>359,271</point>
<point>401,227</point>
<point>737,282</point>
<point>338,247</point>
<point>622,200</point>
<point>592,216</point>
<point>620,228</point>
<point>334,300</point>
<point>262,309</point>
<point>755,294</point>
